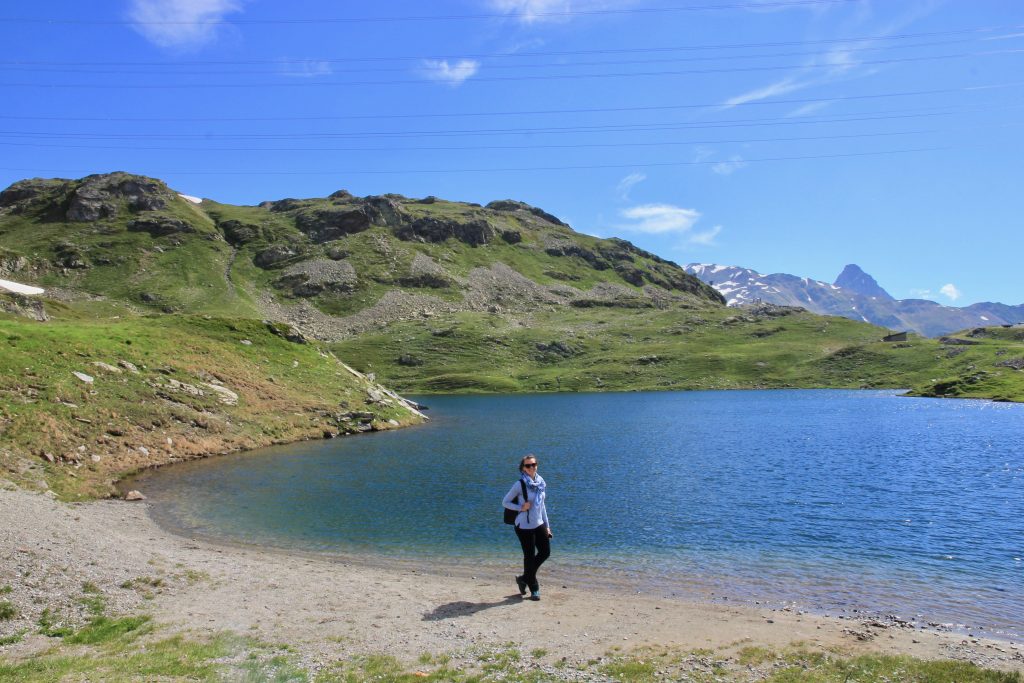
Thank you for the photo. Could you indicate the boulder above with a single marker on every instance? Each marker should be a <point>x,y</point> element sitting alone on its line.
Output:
<point>329,223</point>
<point>274,255</point>
<point>159,225</point>
<point>384,210</point>
<point>134,495</point>
<point>512,236</point>
<point>426,272</point>
<point>238,233</point>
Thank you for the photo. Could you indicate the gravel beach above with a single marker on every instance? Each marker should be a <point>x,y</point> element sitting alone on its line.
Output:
<point>327,608</point>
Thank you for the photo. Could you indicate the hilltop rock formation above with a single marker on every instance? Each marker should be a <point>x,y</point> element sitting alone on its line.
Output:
<point>336,265</point>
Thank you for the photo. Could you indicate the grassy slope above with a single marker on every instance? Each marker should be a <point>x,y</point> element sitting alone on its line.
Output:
<point>132,648</point>
<point>711,348</point>
<point>287,391</point>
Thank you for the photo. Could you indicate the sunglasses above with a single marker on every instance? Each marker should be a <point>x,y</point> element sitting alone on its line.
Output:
<point>530,464</point>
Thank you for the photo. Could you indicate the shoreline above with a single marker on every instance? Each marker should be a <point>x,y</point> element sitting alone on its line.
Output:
<point>709,591</point>
<point>328,608</point>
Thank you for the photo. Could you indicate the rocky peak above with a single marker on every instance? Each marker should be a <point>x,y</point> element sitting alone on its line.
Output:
<point>512,205</point>
<point>856,280</point>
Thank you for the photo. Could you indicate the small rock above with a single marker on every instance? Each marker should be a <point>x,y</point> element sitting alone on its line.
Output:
<point>130,367</point>
<point>393,423</point>
<point>134,495</point>
<point>143,450</point>
<point>247,342</point>
<point>95,458</point>
<point>107,367</point>
<point>82,376</point>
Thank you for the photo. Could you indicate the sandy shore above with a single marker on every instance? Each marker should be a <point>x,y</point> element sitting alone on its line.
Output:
<point>328,609</point>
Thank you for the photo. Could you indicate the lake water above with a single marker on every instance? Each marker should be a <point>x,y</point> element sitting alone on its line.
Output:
<point>831,501</point>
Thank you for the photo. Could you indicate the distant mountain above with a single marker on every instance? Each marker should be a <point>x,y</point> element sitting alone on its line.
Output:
<point>856,280</point>
<point>855,295</point>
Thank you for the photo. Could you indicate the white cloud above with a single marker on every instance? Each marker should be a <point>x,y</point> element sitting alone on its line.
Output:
<point>659,218</point>
<point>627,184</point>
<point>808,109</point>
<point>304,68</point>
<point>733,164</point>
<point>950,292</point>
<point>706,238</point>
<point>451,74</point>
<point>534,11</point>
<point>786,85</point>
<point>180,23</point>
<point>530,11</point>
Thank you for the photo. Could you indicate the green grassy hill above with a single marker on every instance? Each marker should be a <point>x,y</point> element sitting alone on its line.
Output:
<point>427,294</point>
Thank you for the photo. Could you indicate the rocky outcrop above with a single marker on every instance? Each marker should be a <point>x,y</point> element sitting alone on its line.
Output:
<point>23,194</point>
<point>329,223</point>
<point>238,233</point>
<point>275,255</point>
<point>512,206</point>
<point>158,225</point>
<point>385,210</point>
<point>24,306</point>
<point>474,231</point>
<point>101,196</point>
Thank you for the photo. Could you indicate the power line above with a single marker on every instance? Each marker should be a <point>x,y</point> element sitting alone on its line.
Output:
<point>560,130</point>
<point>251,172</point>
<point>413,18</point>
<point>492,79</point>
<point>285,64</point>
<point>531,54</point>
<point>533,112</point>
<point>662,143</point>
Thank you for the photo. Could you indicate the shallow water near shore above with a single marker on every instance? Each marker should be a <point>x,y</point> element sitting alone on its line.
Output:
<point>831,501</point>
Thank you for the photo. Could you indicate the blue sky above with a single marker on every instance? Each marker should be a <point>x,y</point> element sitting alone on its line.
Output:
<point>781,135</point>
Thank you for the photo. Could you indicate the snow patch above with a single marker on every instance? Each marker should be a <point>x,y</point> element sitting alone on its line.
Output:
<point>983,318</point>
<point>19,288</point>
<point>190,198</point>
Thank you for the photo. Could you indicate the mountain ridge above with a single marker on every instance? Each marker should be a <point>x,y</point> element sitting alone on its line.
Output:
<point>854,295</point>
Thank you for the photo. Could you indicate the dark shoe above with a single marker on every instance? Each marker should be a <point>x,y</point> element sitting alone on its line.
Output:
<point>521,582</point>
<point>535,595</point>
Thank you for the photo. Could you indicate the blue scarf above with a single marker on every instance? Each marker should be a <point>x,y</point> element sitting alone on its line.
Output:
<point>534,490</point>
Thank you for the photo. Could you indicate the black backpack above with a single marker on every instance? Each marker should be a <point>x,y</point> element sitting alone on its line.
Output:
<point>510,515</point>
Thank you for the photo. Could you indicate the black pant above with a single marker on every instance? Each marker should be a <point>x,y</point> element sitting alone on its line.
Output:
<point>536,549</point>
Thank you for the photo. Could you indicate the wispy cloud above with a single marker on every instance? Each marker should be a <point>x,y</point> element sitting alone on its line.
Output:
<point>841,62</point>
<point>950,292</point>
<point>782,87</point>
<point>706,238</point>
<point>304,68</point>
<point>627,184</point>
<point>535,11</point>
<point>808,109</point>
<point>730,166</point>
<point>659,218</point>
<point>451,74</point>
<point>186,24</point>
<point>530,11</point>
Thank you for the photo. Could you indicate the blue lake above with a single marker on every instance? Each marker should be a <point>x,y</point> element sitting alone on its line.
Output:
<point>826,500</point>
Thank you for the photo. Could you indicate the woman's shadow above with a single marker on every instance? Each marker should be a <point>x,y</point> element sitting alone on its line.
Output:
<point>462,608</point>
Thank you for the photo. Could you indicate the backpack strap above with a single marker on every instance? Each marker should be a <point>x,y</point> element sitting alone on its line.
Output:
<point>522,484</point>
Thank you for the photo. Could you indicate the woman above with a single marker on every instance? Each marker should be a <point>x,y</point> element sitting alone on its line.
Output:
<point>532,526</point>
